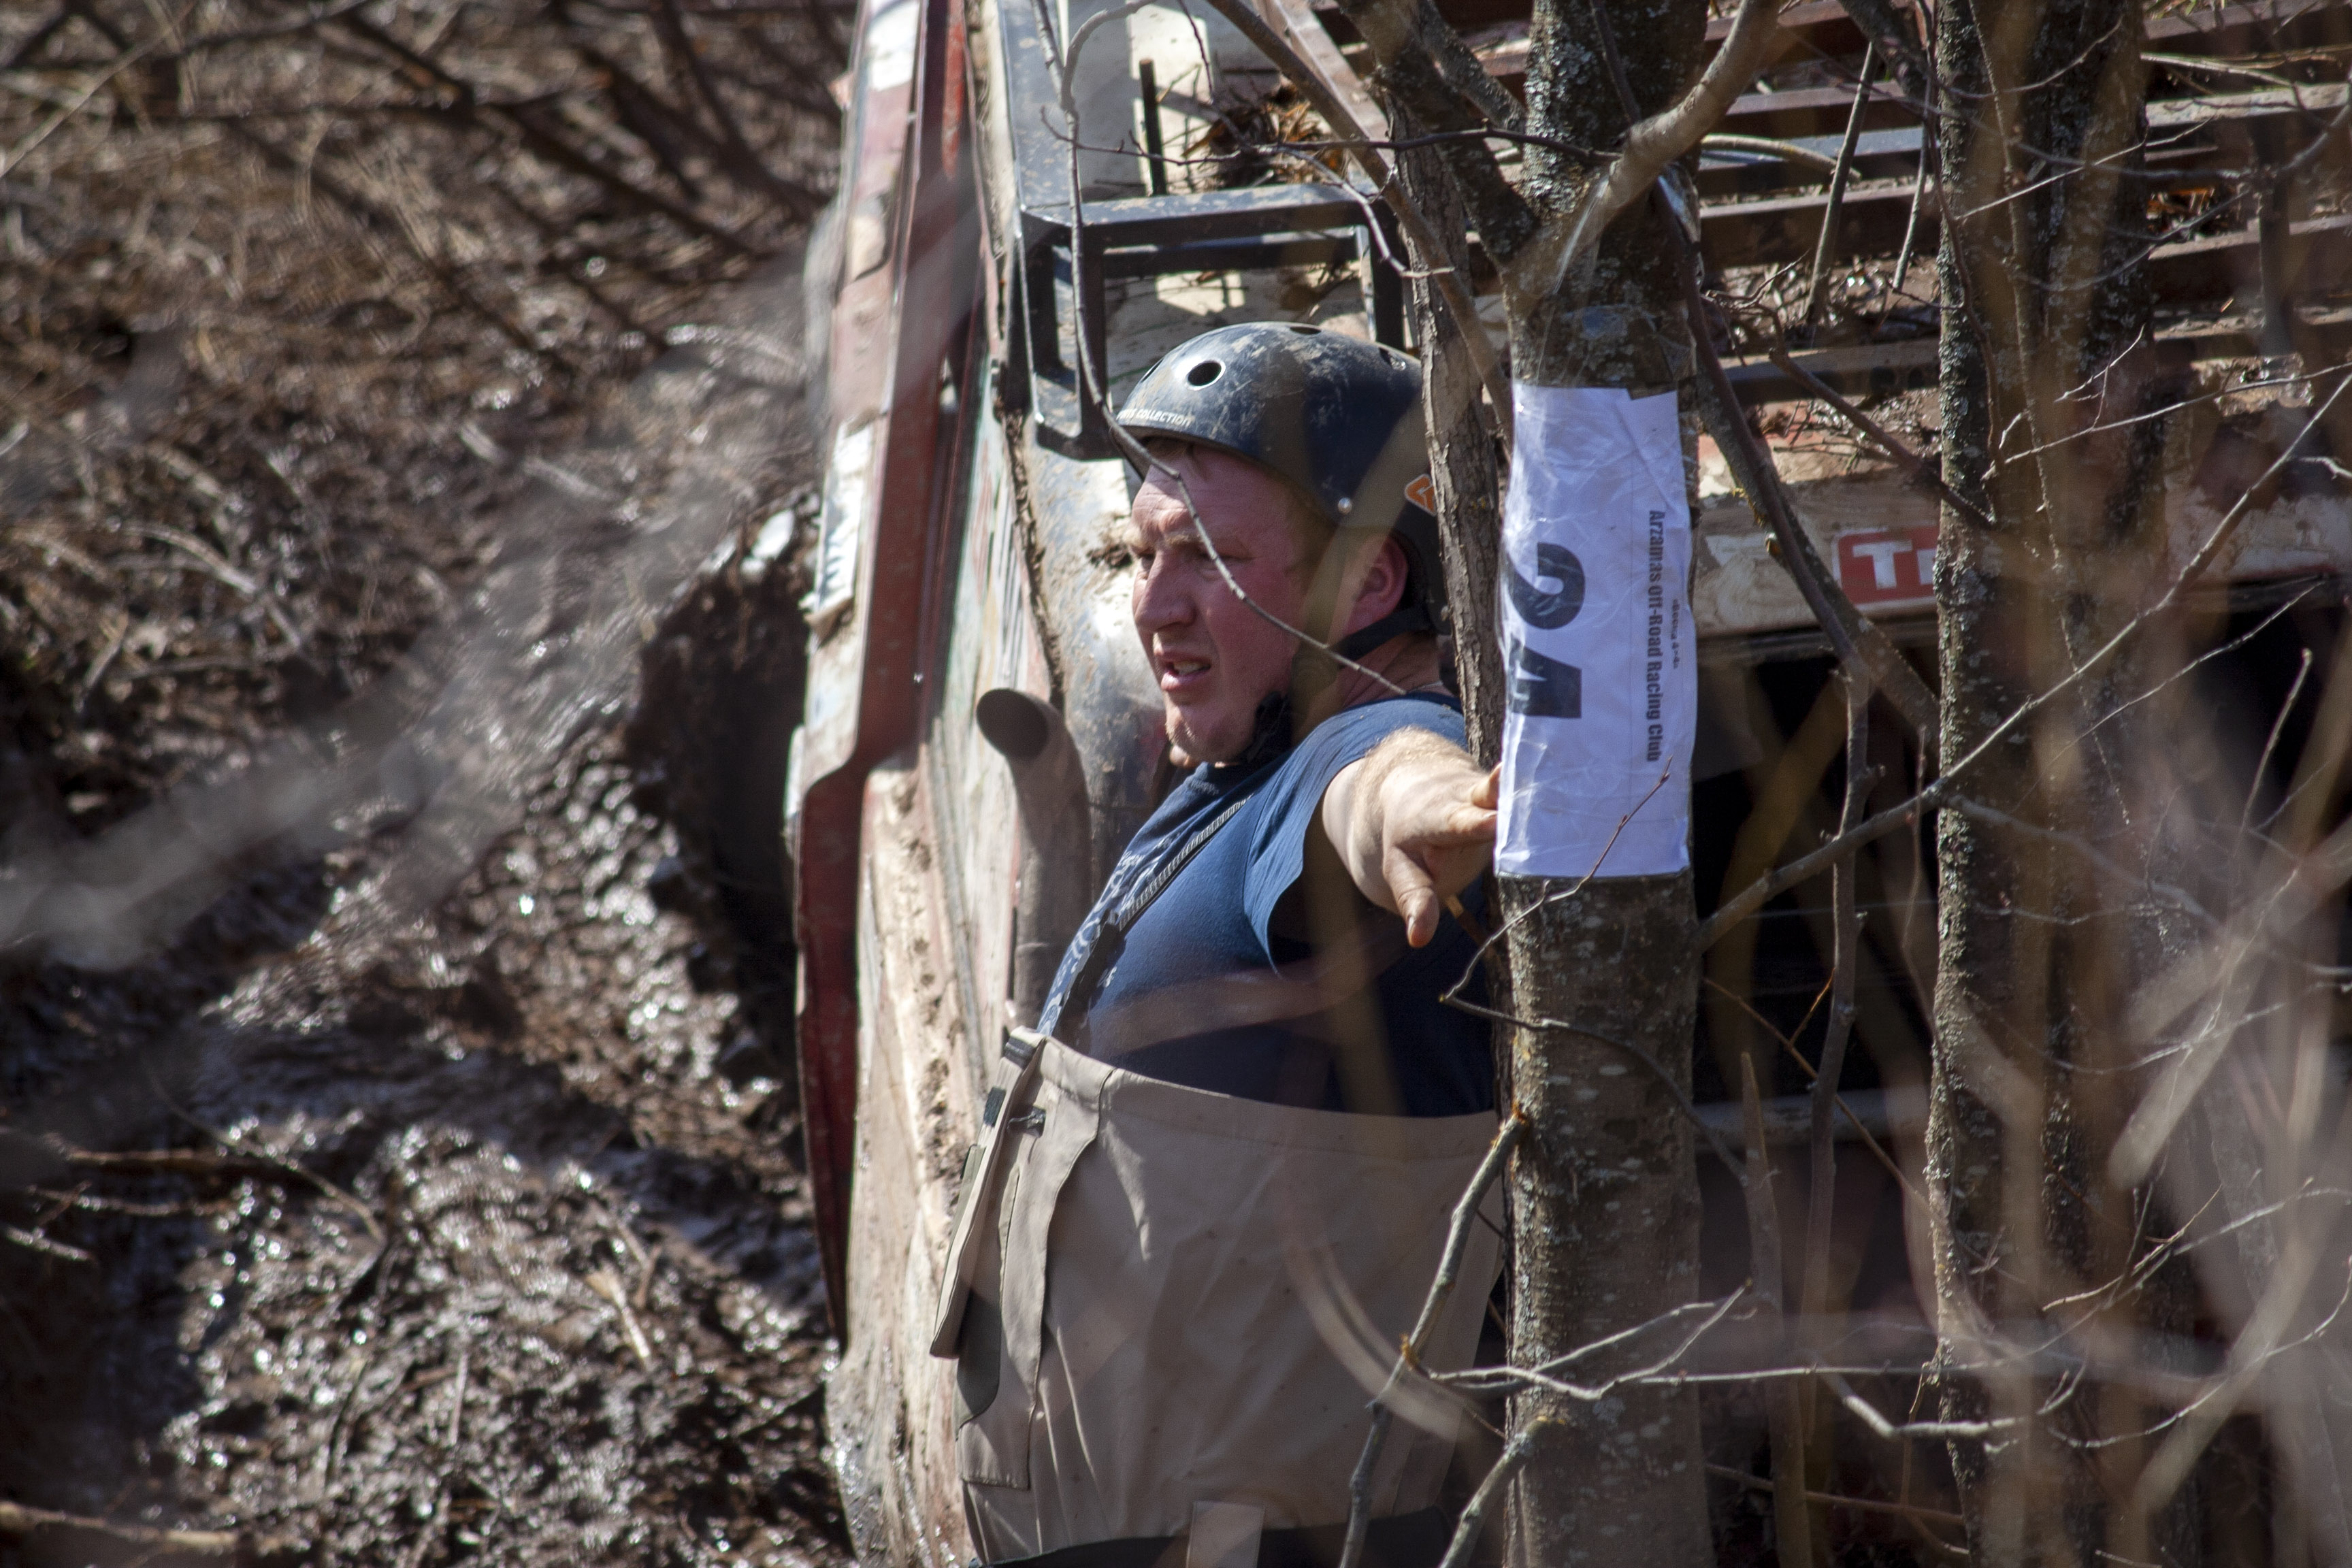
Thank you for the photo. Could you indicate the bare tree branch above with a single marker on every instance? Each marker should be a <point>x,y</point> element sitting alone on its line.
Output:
<point>1474,1518</point>
<point>1407,72</point>
<point>1858,642</point>
<point>1924,471</point>
<point>1845,962</point>
<point>1879,1424</point>
<point>469,104</point>
<point>736,155</point>
<point>1655,141</point>
<point>1825,243</point>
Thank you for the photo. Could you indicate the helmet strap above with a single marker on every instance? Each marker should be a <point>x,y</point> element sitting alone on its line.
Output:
<point>1402,621</point>
<point>1313,670</point>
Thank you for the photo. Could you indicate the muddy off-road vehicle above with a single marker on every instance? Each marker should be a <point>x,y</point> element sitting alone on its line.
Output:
<point>982,734</point>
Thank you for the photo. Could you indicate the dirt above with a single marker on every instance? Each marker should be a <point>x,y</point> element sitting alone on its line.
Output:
<point>398,1155</point>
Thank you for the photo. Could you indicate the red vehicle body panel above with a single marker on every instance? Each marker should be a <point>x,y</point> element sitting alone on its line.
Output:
<point>922,303</point>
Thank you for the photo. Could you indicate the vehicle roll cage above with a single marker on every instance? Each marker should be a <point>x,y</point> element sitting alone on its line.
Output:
<point>1168,234</point>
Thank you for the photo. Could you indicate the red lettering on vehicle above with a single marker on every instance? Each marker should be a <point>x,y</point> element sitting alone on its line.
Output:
<point>1887,565</point>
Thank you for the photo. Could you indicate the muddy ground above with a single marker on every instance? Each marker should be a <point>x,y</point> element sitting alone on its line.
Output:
<point>403,445</point>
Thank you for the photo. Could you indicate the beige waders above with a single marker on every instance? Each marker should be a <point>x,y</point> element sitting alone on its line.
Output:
<point>1171,1310</point>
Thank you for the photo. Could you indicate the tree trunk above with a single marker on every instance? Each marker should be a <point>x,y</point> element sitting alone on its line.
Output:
<point>1461,449</point>
<point>1605,1209</point>
<point>2041,951</point>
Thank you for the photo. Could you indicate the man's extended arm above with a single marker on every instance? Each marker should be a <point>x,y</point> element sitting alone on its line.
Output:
<point>1413,822</point>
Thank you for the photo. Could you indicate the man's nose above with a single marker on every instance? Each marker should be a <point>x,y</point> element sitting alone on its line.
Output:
<point>1161,598</point>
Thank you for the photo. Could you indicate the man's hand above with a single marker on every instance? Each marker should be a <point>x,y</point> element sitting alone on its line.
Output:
<point>1414,824</point>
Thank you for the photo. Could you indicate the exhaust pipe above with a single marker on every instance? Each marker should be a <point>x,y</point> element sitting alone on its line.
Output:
<point>1057,838</point>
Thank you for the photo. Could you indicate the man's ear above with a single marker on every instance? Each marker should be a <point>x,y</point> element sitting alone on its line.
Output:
<point>1381,589</point>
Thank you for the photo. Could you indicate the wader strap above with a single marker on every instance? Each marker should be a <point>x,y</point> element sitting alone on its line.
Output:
<point>1068,1020</point>
<point>1006,1112</point>
<point>1404,1540</point>
<point>1111,937</point>
<point>1008,1101</point>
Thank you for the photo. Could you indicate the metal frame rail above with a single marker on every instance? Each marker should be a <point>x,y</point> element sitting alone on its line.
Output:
<point>1253,228</point>
<point>2228,278</point>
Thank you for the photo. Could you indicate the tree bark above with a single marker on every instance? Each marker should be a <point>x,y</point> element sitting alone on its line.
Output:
<point>1462,466</point>
<point>2043,340</point>
<point>1605,1209</point>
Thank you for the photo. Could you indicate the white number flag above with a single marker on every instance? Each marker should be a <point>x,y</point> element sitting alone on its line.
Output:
<point>1598,652</point>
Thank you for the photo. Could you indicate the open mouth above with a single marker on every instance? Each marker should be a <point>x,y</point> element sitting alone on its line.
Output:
<point>1179,675</point>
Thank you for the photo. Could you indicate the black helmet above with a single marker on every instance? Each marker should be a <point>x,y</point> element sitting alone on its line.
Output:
<point>1338,418</point>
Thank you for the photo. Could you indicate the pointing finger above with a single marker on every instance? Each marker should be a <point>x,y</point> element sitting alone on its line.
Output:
<point>1416,898</point>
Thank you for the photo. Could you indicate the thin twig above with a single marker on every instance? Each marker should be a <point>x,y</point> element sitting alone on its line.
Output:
<point>1764,889</point>
<point>1664,1369</point>
<point>1853,1118</point>
<point>1655,1067</point>
<point>608,1285</point>
<point>1457,1235</point>
<point>2190,667</point>
<point>1835,1500</point>
<point>214,564</point>
<point>1845,961</point>
<point>1857,641</point>
<point>18,1522</point>
<point>1452,993</point>
<point>1441,138</point>
<point>1474,1518</point>
<point>458,1397</point>
<point>330,1454</point>
<point>1783,1409</point>
<point>33,1241</point>
<point>194,1162</point>
<point>1924,471</point>
<point>1825,244</point>
<point>1359,1485</point>
<point>1879,1424</point>
<point>1920,185</point>
<point>2270,745</point>
<point>1770,146</point>
<point>1716,1313</point>
<point>1441,1289</point>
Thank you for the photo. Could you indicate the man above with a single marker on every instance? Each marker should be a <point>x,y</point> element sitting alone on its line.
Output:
<point>1213,1199</point>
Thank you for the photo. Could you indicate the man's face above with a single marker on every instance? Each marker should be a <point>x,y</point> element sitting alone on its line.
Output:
<point>1214,657</point>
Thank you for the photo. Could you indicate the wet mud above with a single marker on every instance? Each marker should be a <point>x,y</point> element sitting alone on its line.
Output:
<point>402,449</point>
<point>483,1242</point>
